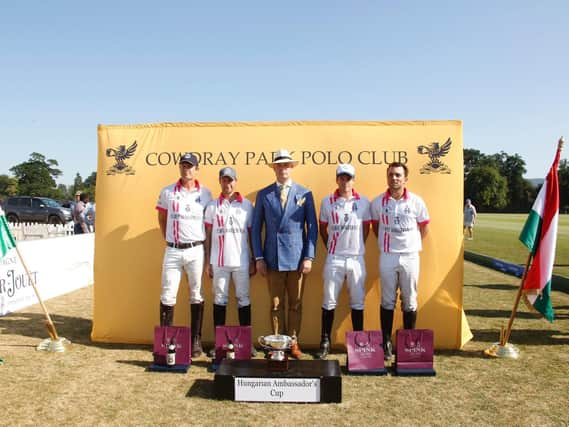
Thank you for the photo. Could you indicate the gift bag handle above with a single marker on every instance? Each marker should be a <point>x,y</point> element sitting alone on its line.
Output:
<point>165,335</point>
<point>234,338</point>
<point>412,343</point>
<point>365,342</point>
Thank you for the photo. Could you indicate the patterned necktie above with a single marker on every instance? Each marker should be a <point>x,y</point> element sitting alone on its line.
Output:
<point>283,196</point>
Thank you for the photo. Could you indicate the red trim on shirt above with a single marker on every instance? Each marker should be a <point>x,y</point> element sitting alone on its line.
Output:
<point>239,197</point>
<point>405,194</point>
<point>336,195</point>
<point>161,209</point>
<point>196,183</point>
<point>420,224</point>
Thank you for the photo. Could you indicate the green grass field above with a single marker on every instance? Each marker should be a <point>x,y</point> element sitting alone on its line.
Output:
<point>94,384</point>
<point>496,235</point>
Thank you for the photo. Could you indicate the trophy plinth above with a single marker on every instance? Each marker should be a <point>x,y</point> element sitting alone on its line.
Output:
<point>276,348</point>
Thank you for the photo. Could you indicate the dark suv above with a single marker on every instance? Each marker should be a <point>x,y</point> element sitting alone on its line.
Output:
<point>35,209</point>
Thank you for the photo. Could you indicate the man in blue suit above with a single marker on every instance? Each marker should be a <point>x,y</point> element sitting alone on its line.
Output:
<point>286,210</point>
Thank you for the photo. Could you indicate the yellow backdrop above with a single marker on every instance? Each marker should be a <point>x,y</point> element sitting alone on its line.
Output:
<point>135,162</point>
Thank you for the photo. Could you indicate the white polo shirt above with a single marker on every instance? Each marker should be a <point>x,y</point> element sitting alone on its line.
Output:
<point>185,212</point>
<point>399,222</point>
<point>230,223</point>
<point>344,218</point>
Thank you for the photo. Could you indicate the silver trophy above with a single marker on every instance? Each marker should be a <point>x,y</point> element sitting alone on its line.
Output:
<point>276,347</point>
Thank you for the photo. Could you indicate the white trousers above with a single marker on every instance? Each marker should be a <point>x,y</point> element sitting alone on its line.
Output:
<point>222,277</point>
<point>174,263</point>
<point>339,268</point>
<point>399,271</point>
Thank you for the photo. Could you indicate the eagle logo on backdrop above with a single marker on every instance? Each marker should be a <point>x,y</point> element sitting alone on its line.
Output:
<point>435,151</point>
<point>121,153</point>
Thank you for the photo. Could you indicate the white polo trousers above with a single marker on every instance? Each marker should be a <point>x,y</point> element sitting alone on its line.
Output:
<point>399,270</point>
<point>175,262</point>
<point>222,277</point>
<point>338,268</point>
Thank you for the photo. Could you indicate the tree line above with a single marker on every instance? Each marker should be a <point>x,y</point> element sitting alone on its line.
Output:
<point>36,177</point>
<point>494,182</point>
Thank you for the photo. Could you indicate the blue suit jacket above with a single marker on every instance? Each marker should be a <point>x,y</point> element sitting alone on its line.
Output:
<point>290,234</point>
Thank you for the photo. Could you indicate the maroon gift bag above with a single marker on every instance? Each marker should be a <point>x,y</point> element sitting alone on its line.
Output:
<point>162,337</point>
<point>240,336</point>
<point>414,355</point>
<point>365,352</point>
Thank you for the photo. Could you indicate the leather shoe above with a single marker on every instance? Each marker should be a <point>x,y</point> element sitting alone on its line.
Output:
<point>324,350</point>
<point>387,350</point>
<point>295,351</point>
<point>196,346</point>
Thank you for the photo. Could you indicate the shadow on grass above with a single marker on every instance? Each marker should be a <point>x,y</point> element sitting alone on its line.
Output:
<point>524,336</point>
<point>499,313</point>
<point>561,313</point>
<point>498,287</point>
<point>201,388</point>
<point>468,354</point>
<point>75,329</point>
<point>140,363</point>
<point>202,363</point>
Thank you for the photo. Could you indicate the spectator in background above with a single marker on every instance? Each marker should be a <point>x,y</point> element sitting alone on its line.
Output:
<point>80,226</point>
<point>74,202</point>
<point>90,216</point>
<point>469,218</point>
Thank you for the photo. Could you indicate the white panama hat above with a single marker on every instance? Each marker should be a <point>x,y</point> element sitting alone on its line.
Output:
<point>282,156</point>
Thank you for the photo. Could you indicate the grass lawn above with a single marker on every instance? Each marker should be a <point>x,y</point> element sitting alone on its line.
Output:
<point>94,384</point>
<point>496,235</point>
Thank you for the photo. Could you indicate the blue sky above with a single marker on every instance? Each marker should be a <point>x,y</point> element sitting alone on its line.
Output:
<point>66,66</point>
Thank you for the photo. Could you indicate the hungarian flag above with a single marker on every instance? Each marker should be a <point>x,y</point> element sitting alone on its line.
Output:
<point>539,235</point>
<point>7,241</point>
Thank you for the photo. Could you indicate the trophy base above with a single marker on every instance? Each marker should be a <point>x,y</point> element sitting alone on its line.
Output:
<point>305,381</point>
<point>506,351</point>
<point>53,346</point>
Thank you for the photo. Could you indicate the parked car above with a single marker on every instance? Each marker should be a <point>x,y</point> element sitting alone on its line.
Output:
<point>35,209</point>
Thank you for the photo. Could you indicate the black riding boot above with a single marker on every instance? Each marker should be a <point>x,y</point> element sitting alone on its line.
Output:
<point>166,315</point>
<point>218,320</point>
<point>219,315</point>
<point>244,314</point>
<point>327,322</point>
<point>357,320</point>
<point>197,320</point>
<point>386,318</point>
<point>409,319</point>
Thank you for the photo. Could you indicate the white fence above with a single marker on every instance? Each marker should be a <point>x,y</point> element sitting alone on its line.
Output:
<point>29,231</point>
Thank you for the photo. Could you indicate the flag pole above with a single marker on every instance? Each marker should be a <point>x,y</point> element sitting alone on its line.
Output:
<point>506,335</point>
<point>54,343</point>
<point>503,348</point>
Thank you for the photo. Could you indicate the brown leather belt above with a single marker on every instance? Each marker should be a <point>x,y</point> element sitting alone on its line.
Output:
<point>183,245</point>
